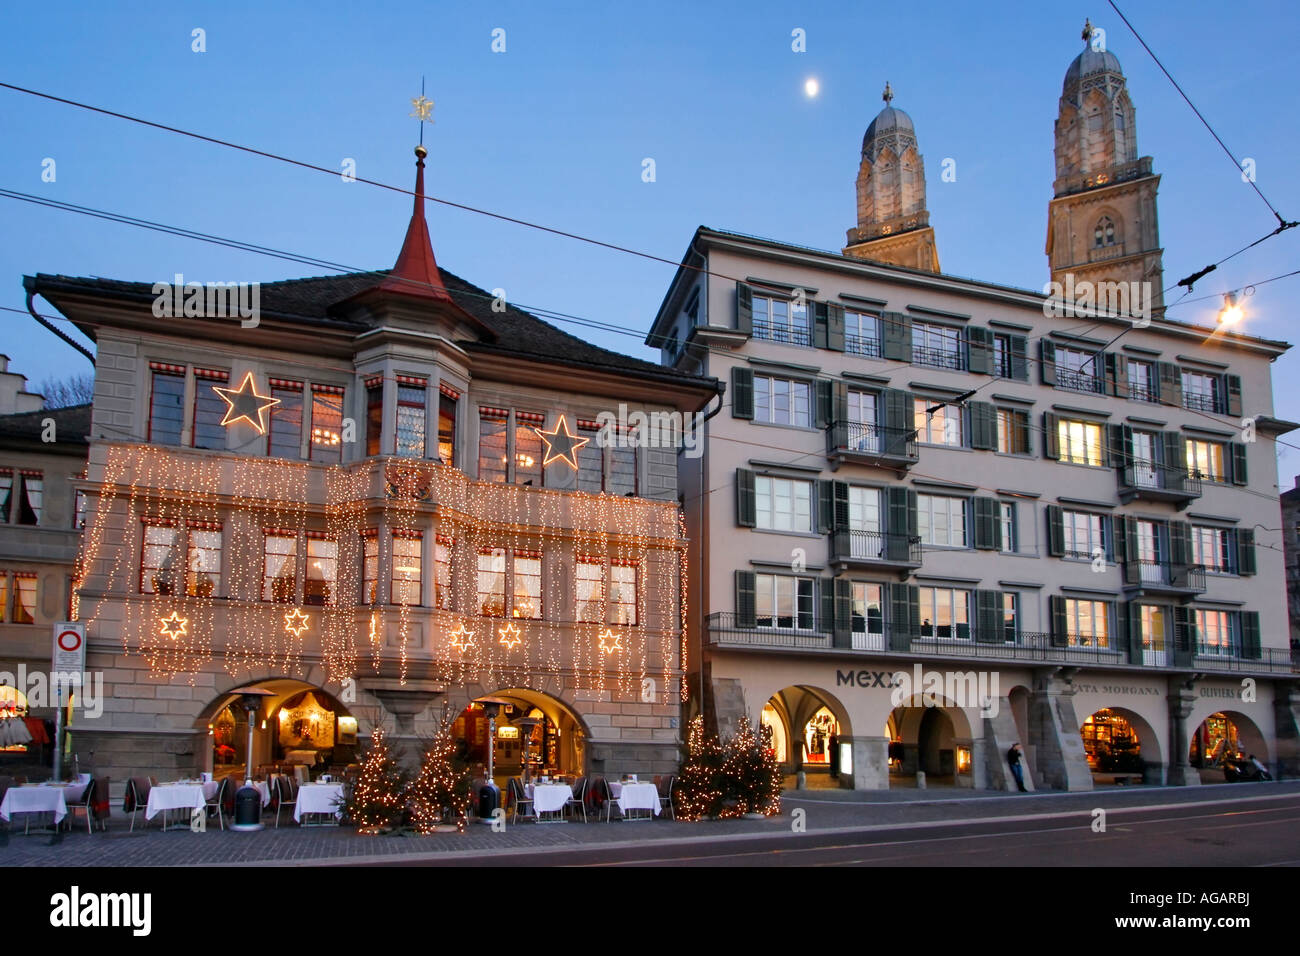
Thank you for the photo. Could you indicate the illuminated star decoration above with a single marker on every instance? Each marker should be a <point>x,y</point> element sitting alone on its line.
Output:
<point>561,444</point>
<point>246,404</point>
<point>510,636</point>
<point>295,622</point>
<point>609,642</point>
<point>174,626</point>
<point>462,638</point>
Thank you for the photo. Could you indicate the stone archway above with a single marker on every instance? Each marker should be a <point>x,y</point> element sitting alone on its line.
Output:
<point>556,744</point>
<point>1120,743</point>
<point>934,738</point>
<point>812,722</point>
<point>1221,733</point>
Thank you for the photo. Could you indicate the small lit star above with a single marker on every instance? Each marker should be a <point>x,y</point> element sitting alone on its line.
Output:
<point>462,638</point>
<point>510,636</point>
<point>609,642</point>
<point>561,444</point>
<point>174,626</point>
<point>246,404</point>
<point>295,622</point>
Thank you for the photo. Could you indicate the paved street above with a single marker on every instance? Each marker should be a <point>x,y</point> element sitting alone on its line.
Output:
<point>1243,824</point>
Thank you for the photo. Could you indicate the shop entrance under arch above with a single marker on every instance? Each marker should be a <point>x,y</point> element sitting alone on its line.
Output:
<point>1120,745</point>
<point>298,725</point>
<point>933,740</point>
<point>1223,737</point>
<point>807,726</point>
<point>532,728</point>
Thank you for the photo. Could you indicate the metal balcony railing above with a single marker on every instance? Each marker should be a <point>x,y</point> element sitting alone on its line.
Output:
<point>954,359</point>
<point>790,335</point>
<point>1077,381</point>
<point>1168,481</point>
<point>862,345</point>
<point>1189,578</point>
<point>1201,402</point>
<point>869,440</point>
<point>1271,660</point>
<point>1142,393</point>
<point>851,544</point>
<point>724,629</point>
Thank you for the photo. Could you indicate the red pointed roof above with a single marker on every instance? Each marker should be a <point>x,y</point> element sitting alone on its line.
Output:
<point>416,272</point>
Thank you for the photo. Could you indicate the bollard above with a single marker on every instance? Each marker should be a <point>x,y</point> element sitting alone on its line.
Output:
<point>920,780</point>
<point>800,780</point>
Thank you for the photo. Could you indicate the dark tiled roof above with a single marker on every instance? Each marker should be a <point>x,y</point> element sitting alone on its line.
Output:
<point>315,300</point>
<point>71,425</point>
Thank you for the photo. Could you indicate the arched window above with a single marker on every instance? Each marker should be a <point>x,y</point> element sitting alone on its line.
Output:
<point>1104,234</point>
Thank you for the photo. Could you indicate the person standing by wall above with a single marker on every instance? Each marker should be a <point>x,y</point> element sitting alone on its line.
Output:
<point>1013,758</point>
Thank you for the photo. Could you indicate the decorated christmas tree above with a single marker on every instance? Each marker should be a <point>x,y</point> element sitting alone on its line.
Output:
<point>751,775</point>
<point>699,780</point>
<point>441,786</point>
<point>376,802</point>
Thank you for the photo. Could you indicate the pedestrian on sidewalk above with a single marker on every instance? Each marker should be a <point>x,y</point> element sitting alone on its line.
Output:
<point>1013,758</point>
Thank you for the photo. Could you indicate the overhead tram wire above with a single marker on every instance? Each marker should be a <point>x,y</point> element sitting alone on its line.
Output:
<point>393,188</point>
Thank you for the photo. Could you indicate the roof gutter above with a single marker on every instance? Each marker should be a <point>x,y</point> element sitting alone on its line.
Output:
<point>31,295</point>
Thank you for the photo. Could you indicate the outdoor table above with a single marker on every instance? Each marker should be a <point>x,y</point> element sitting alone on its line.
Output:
<point>210,788</point>
<point>635,796</point>
<point>34,798</point>
<point>323,798</point>
<point>174,796</point>
<point>550,797</point>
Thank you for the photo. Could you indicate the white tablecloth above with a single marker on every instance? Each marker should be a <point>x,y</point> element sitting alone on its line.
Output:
<point>34,800</point>
<point>173,796</point>
<point>636,796</point>
<point>549,797</point>
<point>319,798</point>
<point>210,788</point>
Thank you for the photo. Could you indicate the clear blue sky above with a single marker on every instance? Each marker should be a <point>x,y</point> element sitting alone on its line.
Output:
<point>554,130</point>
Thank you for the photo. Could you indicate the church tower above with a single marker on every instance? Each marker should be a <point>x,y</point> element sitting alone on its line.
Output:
<point>893,223</point>
<point>1101,223</point>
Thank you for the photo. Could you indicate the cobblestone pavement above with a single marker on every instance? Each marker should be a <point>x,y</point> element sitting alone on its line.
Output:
<point>823,810</point>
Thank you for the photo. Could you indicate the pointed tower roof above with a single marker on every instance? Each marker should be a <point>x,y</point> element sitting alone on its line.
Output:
<point>416,271</point>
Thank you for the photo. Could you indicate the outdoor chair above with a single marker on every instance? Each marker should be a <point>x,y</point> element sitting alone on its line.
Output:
<point>218,799</point>
<point>100,808</point>
<point>518,799</point>
<point>287,793</point>
<point>136,799</point>
<point>83,807</point>
<point>665,787</point>
<point>579,799</point>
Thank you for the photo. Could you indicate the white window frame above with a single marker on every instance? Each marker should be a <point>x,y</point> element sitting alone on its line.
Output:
<point>791,386</point>
<point>796,495</point>
<point>953,507</point>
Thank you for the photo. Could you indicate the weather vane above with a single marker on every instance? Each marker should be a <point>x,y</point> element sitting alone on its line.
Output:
<point>423,109</point>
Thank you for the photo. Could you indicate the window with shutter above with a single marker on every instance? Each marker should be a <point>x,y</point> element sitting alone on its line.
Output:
<point>742,392</point>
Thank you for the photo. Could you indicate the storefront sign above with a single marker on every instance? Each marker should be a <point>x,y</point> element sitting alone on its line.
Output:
<point>885,679</point>
<point>1116,689</point>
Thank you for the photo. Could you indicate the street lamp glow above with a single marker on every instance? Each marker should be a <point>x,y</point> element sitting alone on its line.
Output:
<point>1231,312</point>
<point>811,87</point>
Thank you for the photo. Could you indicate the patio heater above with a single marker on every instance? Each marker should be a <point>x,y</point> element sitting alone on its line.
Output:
<point>489,795</point>
<point>526,725</point>
<point>248,801</point>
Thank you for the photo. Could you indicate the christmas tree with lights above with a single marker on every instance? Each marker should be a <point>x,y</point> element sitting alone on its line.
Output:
<point>751,775</point>
<point>699,780</point>
<point>376,802</point>
<point>441,785</point>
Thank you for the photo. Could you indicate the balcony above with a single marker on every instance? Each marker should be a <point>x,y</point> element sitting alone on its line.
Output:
<point>724,631</point>
<point>1142,393</point>
<point>1152,482</point>
<point>1271,660</point>
<point>862,345</point>
<point>866,443</point>
<point>1160,577</point>
<point>1204,402</point>
<point>875,549</point>
<point>1105,253</point>
<point>1077,381</point>
<point>952,359</point>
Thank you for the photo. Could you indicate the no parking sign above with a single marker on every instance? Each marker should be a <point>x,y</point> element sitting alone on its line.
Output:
<point>70,649</point>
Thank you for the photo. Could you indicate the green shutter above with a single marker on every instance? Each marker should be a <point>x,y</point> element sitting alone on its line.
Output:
<point>826,606</point>
<point>840,514</point>
<point>843,612</point>
<point>1251,646</point>
<point>896,336</point>
<point>1051,436</point>
<point>818,312</point>
<point>901,518</point>
<point>1116,374</point>
<point>1130,618</point>
<point>745,610</point>
<point>744,308</point>
<point>1174,467</point>
<point>825,397</point>
<point>840,403</point>
<point>1169,383</point>
<point>988,617</point>
<point>1126,531</point>
<point>1047,361</point>
<point>1119,537</point>
<point>1119,445</point>
<point>904,615</point>
<point>742,392</point>
<point>979,351</point>
<point>898,421</point>
<point>1245,541</point>
<point>1184,636</point>
<point>1232,387</point>
<point>1019,357</point>
<point>988,527</point>
<point>1055,531</point>
<point>983,426</point>
<point>1056,611</point>
<point>825,506</point>
<point>1180,544</point>
<point>1024,435</point>
<point>835,327</point>
<point>1238,463</point>
<point>746,506</point>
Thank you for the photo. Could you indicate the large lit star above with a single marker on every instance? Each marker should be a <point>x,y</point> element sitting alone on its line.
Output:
<point>561,444</point>
<point>174,626</point>
<point>295,622</point>
<point>510,636</point>
<point>462,638</point>
<point>609,642</point>
<point>246,404</point>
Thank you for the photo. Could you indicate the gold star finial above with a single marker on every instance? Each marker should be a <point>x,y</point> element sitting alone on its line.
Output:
<point>423,110</point>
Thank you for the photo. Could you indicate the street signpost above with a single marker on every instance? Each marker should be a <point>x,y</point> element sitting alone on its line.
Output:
<point>69,658</point>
